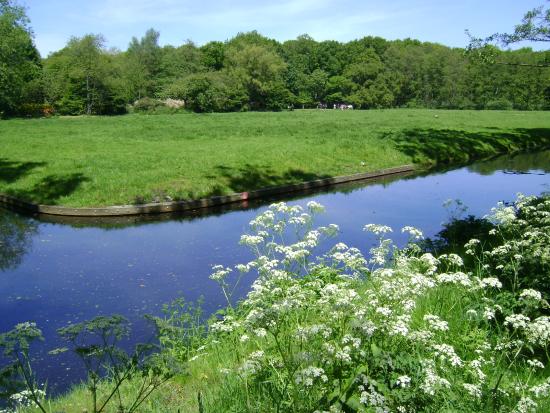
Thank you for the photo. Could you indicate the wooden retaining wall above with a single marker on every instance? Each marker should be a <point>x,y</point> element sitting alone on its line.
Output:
<point>177,206</point>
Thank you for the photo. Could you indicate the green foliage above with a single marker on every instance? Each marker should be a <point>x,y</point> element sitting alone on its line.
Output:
<point>115,379</point>
<point>499,104</point>
<point>534,27</point>
<point>397,330</point>
<point>35,110</point>
<point>148,105</point>
<point>213,55</point>
<point>96,343</point>
<point>143,59</point>
<point>209,92</point>
<point>182,331</point>
<point>526,263</point>
<point>18,385</point>
<point>19,59</point>
<point>253,72</point>
<point>260,71</point>
<point>79,79</point>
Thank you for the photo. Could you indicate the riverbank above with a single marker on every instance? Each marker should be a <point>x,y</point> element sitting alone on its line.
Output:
<point>135,159</point>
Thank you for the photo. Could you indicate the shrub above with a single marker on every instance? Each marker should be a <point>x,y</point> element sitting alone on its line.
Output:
<point>499,104</point>
<point>35,110</point>
<point>209,92</point>
<point>148,105</point>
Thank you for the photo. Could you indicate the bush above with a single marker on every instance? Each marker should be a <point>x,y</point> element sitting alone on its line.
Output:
<point>35,110</point>
<point>209,92</point>
<point>148,105</point>
<point>499,104</point>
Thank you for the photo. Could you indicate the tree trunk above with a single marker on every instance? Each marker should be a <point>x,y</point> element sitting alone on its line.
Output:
<point>88,96</point>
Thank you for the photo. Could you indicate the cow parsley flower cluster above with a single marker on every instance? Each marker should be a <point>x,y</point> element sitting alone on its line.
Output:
<point>393,330</point>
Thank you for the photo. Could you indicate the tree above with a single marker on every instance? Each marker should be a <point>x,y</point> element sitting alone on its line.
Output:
<point>213,54</point>
<point>86,54</point>
<point>79,79</point>
<point>260,71</point>
<point>178,62</point>
<point>143,64</point>
<point>19,59</point>
<point>534,27</point>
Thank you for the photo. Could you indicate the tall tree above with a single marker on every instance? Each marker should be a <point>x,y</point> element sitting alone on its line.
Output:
<point>143,64</point>
<point>86,58</point>
<point>260,71</point>
<point>19,59</point>
<point>79,78</point>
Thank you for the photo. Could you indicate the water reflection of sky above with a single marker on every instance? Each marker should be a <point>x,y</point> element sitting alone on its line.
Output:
<point>68,274</point>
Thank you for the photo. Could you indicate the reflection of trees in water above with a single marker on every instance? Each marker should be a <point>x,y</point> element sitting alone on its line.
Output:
<point>456,233</point>
<point>518,163</point>
<point>16,234</point>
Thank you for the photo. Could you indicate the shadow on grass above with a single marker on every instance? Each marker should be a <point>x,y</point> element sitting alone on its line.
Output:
<point>250,177</point>
<point>11,171</point>
<point>50,188</point>
<point>449,146</point>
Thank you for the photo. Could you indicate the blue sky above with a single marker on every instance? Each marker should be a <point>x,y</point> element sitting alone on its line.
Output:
<point>442,21</point>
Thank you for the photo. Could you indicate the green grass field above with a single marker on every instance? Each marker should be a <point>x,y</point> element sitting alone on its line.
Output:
<point>98,161</point>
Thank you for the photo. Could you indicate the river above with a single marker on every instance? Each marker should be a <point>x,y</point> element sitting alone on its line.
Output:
<point>56,271</point>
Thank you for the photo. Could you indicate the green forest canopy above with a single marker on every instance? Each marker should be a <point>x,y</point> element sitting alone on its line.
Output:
<point>253,72</point>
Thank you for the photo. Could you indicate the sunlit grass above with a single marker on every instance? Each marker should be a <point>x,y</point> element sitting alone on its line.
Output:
<point>97,161</point>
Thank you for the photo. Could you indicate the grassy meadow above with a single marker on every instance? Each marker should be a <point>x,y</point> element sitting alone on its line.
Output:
<point>99,161</point>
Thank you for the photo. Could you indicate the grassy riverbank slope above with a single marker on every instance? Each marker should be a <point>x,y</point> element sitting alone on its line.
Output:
<point>98,161</point>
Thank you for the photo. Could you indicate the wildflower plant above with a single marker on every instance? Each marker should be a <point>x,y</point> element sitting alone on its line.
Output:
<point>97,343</point>
<point>18,384</point>
<point>394,330</point>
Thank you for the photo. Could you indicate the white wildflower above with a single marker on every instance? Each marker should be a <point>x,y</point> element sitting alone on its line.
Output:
<point>219,273</point>
<point>525,405</point>
<point>517,321</point>
<point>260,332</point>
<point>309,375</point>
<point>538,332</point>
<point>536,364</point>
<point>251,240</point>
<point>413,232</point>
<point>530,294</point>
<point>541,390</point>
<point>377,229</point>
<point>454,278</point>
<point>315,207</point>
<point>403,381</point>
<point>490,282</point>
<point>432,382</point>
<point>436,323</point>
<point>502,214</point>
<point>473,390</point>
<point>447,352</point>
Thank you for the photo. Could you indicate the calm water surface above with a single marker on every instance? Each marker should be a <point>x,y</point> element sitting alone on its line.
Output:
<point>55,273</point>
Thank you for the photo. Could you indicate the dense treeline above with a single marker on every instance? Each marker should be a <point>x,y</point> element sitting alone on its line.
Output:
<point>252,72</point>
